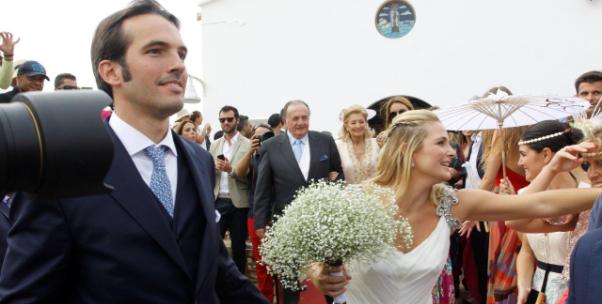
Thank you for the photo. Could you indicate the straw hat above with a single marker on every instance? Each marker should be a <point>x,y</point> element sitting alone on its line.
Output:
<point>182,115</point>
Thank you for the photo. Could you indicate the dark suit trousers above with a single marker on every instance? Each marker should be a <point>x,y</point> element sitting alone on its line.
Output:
<point>234,220</point>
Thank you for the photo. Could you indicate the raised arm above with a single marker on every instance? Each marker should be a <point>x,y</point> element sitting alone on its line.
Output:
<point>242,167</point>
<point>538,205</point>
<point>494,162</point>
<point>7,47</point>
<point>564,160</point>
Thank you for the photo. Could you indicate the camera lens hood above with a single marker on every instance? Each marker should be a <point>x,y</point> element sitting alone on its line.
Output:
<point>55,144</point>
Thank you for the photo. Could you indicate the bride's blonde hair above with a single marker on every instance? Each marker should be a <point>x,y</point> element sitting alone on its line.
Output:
<point>404,137</point>
<point>592,131</point>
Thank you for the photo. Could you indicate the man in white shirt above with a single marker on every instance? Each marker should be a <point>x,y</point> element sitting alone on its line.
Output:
<point>289,162</point>
<point>153,238</point>
<point>231,191</point>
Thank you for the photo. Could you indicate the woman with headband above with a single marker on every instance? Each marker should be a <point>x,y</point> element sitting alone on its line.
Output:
<point>414,165</point>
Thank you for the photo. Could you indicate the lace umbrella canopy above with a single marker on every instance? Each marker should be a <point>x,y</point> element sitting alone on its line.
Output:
<point>500,110</point>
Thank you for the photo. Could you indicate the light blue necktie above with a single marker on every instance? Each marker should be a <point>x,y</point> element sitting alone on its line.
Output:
<point>298,149</point>
<point>159,182</point>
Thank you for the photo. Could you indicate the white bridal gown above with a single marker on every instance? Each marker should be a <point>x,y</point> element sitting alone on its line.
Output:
<point>407,277</point>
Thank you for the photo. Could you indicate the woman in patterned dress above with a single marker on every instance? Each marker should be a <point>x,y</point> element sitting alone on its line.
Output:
<point>357,148</point>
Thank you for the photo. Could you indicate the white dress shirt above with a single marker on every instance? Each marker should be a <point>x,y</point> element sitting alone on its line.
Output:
<point>203,145</point>
<point>135,142</point>
<point>227,151</point>
<point>305,157</point>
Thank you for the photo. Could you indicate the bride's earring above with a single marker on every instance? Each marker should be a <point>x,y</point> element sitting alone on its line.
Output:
<point>413,164</point>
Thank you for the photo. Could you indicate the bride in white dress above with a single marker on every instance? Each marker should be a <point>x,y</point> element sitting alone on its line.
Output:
<point>413,163</point>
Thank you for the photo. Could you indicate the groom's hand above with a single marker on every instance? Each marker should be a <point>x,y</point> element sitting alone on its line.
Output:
<point>331,285</point>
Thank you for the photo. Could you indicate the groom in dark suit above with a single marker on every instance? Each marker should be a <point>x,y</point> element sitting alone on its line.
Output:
<point>154,238</point>
<point>586,269</point>
<point>289,162</point>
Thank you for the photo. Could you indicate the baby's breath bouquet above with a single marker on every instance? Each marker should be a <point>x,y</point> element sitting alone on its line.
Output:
<point>332,223</point>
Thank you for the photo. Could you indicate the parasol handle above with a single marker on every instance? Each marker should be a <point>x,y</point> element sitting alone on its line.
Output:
<point>504,164</point>
<point>499,124</point>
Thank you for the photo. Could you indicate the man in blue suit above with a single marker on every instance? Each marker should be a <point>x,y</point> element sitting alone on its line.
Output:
<point>154,238</point>
<point>586,269</point>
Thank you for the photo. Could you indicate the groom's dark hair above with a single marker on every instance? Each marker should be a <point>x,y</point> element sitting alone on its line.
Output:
<point>109,42</point>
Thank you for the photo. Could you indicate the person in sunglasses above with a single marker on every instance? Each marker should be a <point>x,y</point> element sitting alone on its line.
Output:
<point>393,107</point>
<point>231,190</point>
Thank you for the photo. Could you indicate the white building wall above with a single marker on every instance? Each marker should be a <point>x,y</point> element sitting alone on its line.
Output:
<point>258,54</point>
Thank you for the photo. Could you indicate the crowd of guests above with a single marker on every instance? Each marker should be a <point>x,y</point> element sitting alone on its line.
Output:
<point>257,169</point>
<point>489,262</point>
<point>493,263</point>
<point>25,75</point>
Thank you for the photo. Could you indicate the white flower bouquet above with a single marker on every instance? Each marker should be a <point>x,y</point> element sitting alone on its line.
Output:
<point>332,223</point>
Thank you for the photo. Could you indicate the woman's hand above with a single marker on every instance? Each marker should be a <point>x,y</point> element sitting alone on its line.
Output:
<point>467,226</point>
<point>506,187</point>
<point>567,158</point>
<point>331,285</point>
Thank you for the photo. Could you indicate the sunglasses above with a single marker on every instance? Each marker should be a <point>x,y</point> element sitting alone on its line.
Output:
<point>394,114</point>
<point>224,119</point>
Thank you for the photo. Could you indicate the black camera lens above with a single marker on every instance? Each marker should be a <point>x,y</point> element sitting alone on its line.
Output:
<point>20,149</point>
<point>267,135</point>
<point>54,144</point>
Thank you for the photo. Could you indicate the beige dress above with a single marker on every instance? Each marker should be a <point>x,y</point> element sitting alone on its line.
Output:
<point>358,170</point>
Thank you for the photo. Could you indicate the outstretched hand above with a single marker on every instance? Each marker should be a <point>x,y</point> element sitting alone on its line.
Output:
<point>331,285</point>
<point>468,226</point>
<point>568,158</point>
<point>8,45</point>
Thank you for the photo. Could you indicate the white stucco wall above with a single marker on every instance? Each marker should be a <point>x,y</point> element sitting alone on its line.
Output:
<point>258,54</point>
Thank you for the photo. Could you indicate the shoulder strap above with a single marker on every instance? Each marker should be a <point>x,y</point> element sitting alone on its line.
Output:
<point>447,199</point>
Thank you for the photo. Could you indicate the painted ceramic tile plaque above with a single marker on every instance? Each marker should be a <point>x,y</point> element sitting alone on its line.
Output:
<point>395,19</point>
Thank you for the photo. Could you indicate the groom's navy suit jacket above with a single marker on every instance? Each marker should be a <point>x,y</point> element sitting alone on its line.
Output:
<point>585,284</point>
<point>122,247</point>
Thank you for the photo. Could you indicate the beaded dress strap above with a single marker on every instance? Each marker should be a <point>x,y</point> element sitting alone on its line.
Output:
<point>447,200</point>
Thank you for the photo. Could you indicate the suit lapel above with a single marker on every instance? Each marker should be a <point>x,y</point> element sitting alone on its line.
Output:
<point>4,210</point>
<point>218,150</point>
<point>200,169</point>
<point>289,157</point>
<point>314,152</point>
<point>135,197</point>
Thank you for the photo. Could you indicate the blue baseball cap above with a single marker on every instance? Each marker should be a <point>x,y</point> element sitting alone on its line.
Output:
<point>32,68</point>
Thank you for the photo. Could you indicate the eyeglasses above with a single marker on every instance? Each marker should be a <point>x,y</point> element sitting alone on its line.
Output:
<point>69,87</point>
<point>394,114</point>
<point>224,119</point>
